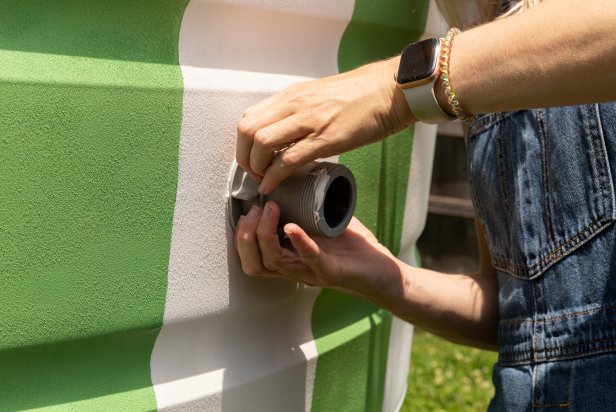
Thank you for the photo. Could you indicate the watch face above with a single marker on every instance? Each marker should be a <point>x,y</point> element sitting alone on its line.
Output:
<point>418,61</point>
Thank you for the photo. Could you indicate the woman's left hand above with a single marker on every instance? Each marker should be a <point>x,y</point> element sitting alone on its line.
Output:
<point>320,118</point>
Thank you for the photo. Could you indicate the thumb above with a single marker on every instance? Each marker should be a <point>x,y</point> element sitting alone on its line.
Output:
<point>307,249</point>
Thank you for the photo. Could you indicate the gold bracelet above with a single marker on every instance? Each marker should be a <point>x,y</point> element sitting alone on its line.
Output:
<point>454,103</point>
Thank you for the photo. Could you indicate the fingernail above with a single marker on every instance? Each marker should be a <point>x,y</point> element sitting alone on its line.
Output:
<point>254,212</point>
<point>267,209</point>
<point>263,189</point>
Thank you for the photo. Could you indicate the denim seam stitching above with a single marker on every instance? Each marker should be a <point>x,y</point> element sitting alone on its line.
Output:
<point>590,135</point>
<point>580,238</point>
<point>557,251</point>
<point>533,383</point>
<point>573,345</point>
<point>599,159</point>
<point>501,175</point>
<point>570,388</point>
<point>522,358</point>
<point>607,162</point>
<point>577,354</point>
<point>556,318</point>
<point>546,185</point>
<point>489,121</point>
<point>535,323</point>
<point>551,405</point>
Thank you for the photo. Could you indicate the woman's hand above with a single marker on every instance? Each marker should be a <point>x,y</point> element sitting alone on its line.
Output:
<point>355,261</point>
<point>318,119</point>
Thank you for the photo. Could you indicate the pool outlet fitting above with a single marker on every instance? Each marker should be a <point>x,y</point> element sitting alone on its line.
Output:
<point>319,197</point>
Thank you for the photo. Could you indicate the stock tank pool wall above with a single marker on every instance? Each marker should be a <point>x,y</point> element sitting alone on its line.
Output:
<point>120,285</point>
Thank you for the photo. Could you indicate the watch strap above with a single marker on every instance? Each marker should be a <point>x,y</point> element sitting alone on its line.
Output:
<point>423,104</point>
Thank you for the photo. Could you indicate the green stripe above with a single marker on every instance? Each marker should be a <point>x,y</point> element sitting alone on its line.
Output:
<point>352,335</point>
<point>91,103</point>
<point>352,338</point>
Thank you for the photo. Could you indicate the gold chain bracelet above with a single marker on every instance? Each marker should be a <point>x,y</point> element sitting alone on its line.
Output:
<point>454,103</point>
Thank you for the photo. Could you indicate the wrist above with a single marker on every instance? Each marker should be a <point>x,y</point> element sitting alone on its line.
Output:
<point>400,110</point>
<point>391,288</point>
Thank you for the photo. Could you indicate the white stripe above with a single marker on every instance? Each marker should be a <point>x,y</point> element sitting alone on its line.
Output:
<point>230,342</point>
<point>416,209</point>
<point>415,212</point>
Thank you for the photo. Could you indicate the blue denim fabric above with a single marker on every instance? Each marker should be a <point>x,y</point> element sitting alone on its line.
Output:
<point>543,185</point>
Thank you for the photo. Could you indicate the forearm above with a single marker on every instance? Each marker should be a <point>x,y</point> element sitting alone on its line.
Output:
<point>558,53</point>
<point>460,308</point>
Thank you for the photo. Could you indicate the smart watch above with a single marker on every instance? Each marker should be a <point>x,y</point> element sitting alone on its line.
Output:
<point>417,75</point>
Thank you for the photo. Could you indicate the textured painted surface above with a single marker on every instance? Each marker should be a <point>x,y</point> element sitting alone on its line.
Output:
<point>350,376</point>
<point>90,96</point>
<point>230,342</point>
<point>114,167</point>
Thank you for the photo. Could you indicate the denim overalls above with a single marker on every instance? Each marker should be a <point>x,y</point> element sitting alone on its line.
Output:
<point>543,186</point>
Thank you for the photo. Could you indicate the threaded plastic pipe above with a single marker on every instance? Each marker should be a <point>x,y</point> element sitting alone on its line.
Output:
<point>320,197</point>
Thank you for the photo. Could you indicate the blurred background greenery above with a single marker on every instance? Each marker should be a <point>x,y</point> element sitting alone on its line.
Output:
<point>448,377</point>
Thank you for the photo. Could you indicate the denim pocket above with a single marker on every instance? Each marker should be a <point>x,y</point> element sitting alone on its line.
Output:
<point>541,183</point>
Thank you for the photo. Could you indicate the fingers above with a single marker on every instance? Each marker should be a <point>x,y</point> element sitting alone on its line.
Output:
<point>267,236</point>
<point>258,143</point>
<point>259,248</point>
<point>287,161</point>
<point>247,245</point>
<point>274,137</point>
<point>249,125</point>
<point>274,257</point>
<point>307,249</point>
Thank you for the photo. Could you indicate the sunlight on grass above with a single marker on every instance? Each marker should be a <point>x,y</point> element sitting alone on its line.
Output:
<point>448,377</point>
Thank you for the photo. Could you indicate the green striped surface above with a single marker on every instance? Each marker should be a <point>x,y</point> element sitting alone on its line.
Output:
<point>352,335</point>
<point>91,103</point>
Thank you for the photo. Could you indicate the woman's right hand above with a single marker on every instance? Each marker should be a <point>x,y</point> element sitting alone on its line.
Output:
<point>354,262</point>
<point>318,119</point>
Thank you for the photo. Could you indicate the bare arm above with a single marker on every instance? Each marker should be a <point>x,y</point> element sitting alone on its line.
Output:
<point>560,53</point>
<point>461,308</point>
<point>458,307</point>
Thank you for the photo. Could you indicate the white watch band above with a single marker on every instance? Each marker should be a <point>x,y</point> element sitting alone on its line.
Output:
<point>423,104</point>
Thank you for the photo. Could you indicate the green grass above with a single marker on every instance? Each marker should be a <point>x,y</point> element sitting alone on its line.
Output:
<point>447,377</point>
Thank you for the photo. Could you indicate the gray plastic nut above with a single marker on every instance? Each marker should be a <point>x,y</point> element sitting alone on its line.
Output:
<point>319,197</point>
